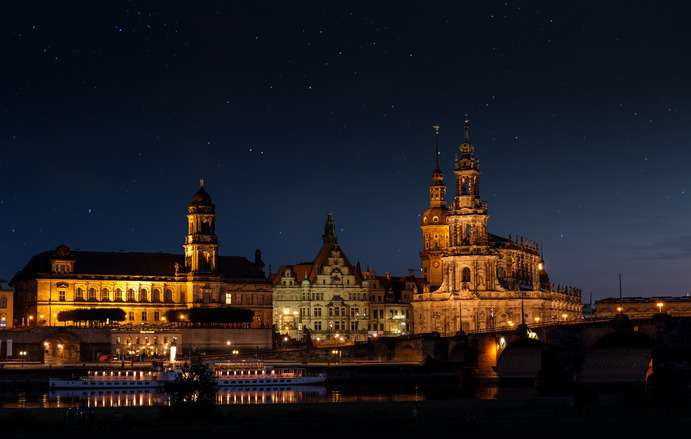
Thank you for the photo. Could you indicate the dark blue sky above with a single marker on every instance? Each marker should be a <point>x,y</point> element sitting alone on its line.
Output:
<point>580,114</point>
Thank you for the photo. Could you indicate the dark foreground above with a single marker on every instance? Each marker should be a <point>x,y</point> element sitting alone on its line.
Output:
<point>554,417</point>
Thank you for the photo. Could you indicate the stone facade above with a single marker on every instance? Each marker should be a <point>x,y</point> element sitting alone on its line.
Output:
<point>487,281</point>
<point>335,302</point>
<point>327,297</point>
<point>6,306</point>
<point>145,285</point>
<point>643,307</point>
<point>389,303</point>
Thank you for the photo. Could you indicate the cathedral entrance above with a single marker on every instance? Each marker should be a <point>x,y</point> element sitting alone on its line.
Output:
<point>61,348</point>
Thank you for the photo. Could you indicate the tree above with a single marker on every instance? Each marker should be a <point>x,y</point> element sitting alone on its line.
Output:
<point>92,315</point>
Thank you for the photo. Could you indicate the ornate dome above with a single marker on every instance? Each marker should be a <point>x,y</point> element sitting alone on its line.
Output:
<point>434,216</point>
<point>201,198</point>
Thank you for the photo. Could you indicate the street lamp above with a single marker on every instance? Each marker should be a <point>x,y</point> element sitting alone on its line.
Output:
<point>564,316</point>
<point>22,356</point>
<point>619,309</point>
<point>659,306</point>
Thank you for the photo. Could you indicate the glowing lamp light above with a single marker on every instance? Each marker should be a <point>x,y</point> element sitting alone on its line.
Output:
<point>510,323</point>
<point>659,306</point>
<point>537,319</point>
<point>564,316</point>
<point>227,342</point>
<point>620,309</point>
<point>540,266</point>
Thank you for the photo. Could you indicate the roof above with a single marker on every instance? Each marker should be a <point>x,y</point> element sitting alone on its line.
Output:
<point>311,269</point>
<point>134,264</point>
<point>201,198</point>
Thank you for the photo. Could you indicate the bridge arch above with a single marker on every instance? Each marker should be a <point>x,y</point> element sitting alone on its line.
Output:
<point>61,347</point>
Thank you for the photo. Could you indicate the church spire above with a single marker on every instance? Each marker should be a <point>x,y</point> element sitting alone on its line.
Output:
<point>329,236</point>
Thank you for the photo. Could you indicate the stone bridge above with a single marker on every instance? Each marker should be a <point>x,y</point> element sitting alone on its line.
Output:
<point>589,351</point>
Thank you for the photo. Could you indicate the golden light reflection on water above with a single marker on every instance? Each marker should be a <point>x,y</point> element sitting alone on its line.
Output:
<point>231,396</point>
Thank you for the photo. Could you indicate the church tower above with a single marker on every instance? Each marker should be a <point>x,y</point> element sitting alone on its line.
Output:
<point>434,227</point>
<point>468,224</point>
<point>201,244</point>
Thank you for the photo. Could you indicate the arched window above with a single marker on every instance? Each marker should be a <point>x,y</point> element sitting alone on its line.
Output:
<point>143,295</point>
<point>3,302</point>
<point>183,297</point>
<point>168,296</point>
<point>118,295</point>
<point>155,295</point>
<point>105,296</point>
<point>79,294</point>
<point>130,295</point>
<point>465,276</point>
<point>92,293</point>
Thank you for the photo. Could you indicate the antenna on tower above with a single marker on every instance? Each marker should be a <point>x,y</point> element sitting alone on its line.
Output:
<point>466,129</point>
<point>436,127</point>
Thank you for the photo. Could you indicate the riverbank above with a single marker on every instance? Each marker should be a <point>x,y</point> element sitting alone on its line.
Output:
<point>559,417</point>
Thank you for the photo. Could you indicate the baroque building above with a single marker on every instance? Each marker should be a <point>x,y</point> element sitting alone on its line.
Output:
<point>478,281</point>
<point>332,301</point>
<point>6,306</point>
<point>145,285</point>
<point>390,297</point>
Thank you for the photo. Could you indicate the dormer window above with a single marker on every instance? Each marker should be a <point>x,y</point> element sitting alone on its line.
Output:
<point>61,267</point>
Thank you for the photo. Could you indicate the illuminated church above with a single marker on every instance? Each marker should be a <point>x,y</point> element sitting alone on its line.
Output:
<point>478,281</point>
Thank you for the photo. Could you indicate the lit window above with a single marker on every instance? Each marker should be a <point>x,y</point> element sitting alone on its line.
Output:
<point>229,298</point>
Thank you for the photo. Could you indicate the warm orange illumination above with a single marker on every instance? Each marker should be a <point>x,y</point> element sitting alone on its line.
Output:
<point>659,306</point>
<point>564,316</point>
<point>537,319</point>
<point>540,266</point>
<point>620,309</point>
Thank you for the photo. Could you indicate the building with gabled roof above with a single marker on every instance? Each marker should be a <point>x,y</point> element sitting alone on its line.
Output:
<point>326,298</point>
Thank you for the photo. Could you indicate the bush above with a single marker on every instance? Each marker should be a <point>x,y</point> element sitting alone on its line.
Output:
<point>92,315</point>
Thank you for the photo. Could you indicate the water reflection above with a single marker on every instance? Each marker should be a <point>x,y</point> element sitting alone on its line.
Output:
<point>243,396</point>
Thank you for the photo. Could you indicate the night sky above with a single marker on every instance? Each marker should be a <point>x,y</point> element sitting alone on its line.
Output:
<point>110,112</point>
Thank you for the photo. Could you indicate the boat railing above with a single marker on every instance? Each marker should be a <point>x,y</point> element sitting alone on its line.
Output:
<point>127,375</point>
